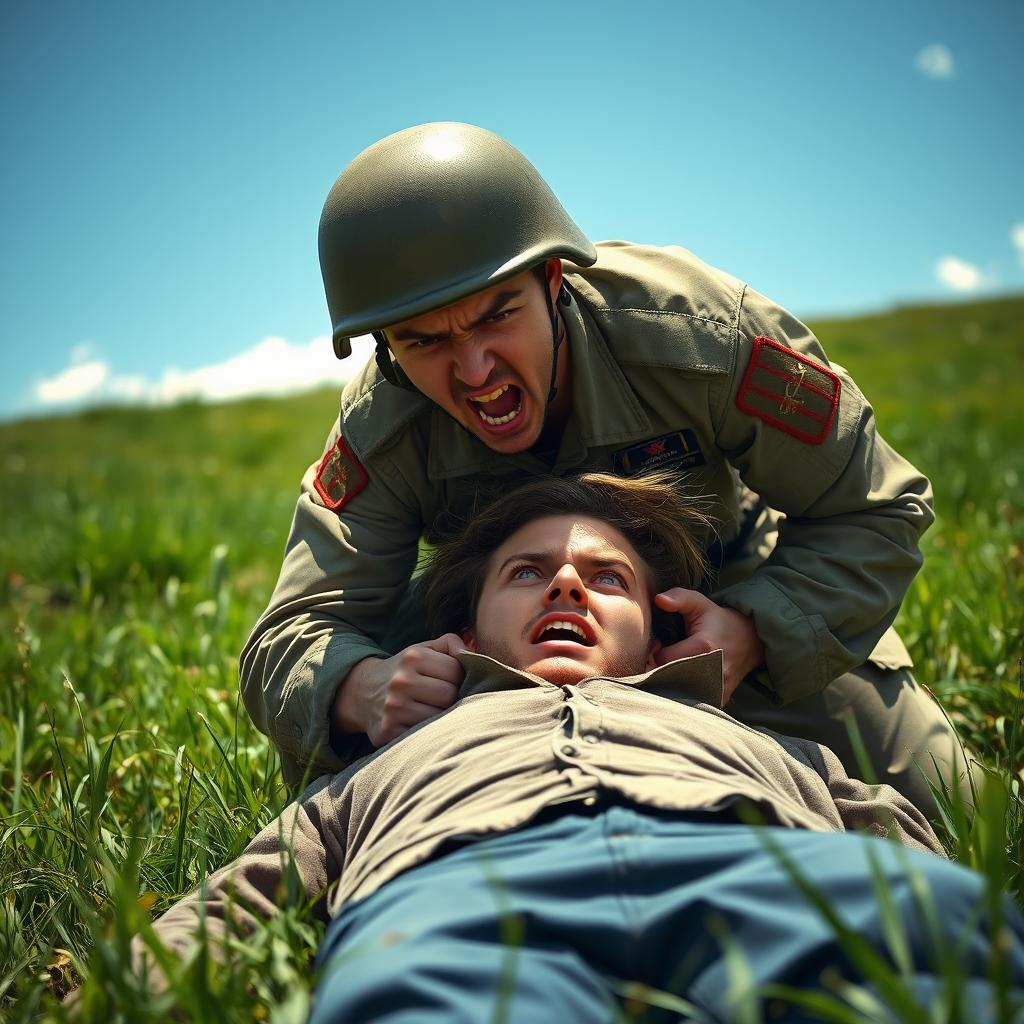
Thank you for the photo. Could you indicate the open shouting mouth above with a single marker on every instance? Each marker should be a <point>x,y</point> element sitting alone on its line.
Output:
<point>498,409</point>
<point>565,628</point>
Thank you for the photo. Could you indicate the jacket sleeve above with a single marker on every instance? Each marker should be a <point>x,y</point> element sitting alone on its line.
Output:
<point>343,575</point>
<point>879,810</point>
<point>854,508</point>
<point>302,847</point>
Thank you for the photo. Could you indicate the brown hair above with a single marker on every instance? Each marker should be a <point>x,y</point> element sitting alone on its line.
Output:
<point>649,511</point>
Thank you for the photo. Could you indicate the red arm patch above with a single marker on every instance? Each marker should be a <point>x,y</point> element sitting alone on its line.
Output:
<point>789,391</point>
<point>340,476</point>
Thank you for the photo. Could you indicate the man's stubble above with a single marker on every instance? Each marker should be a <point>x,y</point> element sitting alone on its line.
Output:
<point>623,663</point>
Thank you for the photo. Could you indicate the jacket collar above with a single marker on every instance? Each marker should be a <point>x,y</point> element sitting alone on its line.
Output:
<point>689,680</point>
<point>605,411</point>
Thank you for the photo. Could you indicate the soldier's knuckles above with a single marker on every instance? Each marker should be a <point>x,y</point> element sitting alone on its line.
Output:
<point>409,659</point>
<point>393,704</point>
<point>401,681</point>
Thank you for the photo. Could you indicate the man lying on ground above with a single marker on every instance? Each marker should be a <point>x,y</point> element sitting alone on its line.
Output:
<point>589,804</point>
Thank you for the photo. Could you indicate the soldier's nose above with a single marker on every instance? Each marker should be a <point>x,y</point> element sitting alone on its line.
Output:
<point>472,364</point>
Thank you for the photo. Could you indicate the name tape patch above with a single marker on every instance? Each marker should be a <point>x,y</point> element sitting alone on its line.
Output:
<point>789,391</point>
<point>340,476</point>
<point>678,450</point>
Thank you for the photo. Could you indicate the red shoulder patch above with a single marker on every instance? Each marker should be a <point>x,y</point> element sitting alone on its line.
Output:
<point>340,476</point>
<point>789,391</point>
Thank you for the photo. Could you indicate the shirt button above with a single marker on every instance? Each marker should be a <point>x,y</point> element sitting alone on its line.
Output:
<point>590,738</point>
<point>569,750</point>
<point>589,801</point>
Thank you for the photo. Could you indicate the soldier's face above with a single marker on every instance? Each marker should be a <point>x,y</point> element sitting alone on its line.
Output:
<point>566,597</point>
<point>486,360</point>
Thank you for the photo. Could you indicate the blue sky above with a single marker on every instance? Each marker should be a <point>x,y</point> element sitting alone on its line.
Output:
<point>165,165</point>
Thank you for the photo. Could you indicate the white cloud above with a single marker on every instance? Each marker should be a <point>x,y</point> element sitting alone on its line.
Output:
<point>957,274</point>
<point>271,367</point>
<point>73,384</point>
<point>935,61</point>
<point>1017,237</point>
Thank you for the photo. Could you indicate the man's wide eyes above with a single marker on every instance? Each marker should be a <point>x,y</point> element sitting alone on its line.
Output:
<point>524,572</point>
<point>606,578</point>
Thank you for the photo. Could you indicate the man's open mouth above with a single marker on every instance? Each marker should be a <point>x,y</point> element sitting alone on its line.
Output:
<point>500,406</point>
<point>572,630</point>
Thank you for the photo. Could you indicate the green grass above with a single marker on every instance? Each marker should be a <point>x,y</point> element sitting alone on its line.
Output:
<point>139,546</point>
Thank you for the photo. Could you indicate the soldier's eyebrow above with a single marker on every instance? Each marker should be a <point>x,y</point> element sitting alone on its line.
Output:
<point>500,300</point>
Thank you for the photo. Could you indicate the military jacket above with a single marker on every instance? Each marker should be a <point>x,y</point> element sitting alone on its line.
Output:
<point>674,365</point>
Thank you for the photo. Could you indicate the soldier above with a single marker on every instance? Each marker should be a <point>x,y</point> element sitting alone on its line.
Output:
<point>509,346</point>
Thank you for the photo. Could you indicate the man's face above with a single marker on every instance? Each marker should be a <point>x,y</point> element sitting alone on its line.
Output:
<point>486,360</point>
<point>566,597</point>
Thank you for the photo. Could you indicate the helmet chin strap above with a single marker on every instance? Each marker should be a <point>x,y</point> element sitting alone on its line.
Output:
<point>393,373</point>
<point>389,369</point>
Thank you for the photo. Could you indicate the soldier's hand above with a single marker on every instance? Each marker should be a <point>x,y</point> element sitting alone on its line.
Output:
<point>710,627</point>
<point>385,696</point>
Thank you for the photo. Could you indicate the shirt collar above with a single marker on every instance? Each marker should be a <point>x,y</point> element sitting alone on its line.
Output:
<point>605,409</point>
<point>688,680</point>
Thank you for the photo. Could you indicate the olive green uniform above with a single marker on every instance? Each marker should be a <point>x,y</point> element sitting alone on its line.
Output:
<point>661,349</point>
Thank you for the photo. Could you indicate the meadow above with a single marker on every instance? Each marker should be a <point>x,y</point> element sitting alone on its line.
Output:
<point>139,546</point>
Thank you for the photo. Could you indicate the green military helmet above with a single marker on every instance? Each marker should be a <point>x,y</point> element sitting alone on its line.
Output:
<point>432,214</point>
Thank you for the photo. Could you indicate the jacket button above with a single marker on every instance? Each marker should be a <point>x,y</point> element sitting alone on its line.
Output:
<point>569,750</point>
<point>590,738</point>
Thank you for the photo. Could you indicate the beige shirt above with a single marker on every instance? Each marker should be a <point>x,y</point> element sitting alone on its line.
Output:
<point>661,345</point>
<point>513,745</point>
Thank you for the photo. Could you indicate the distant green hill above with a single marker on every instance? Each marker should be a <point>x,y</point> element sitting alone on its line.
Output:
<point>930,366</point>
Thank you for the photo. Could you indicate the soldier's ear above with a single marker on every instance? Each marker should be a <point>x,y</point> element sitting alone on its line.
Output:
<point>469,639</point>
<point>553,275</point>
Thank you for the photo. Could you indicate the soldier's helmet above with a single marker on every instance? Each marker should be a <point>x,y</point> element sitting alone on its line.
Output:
<point>432,214</point>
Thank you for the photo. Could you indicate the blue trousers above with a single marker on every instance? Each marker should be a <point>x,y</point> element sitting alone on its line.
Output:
<point>547,923</point>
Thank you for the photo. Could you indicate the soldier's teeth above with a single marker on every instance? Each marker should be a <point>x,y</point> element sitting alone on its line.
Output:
<point>496,421</point>
<point>496,393</point>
